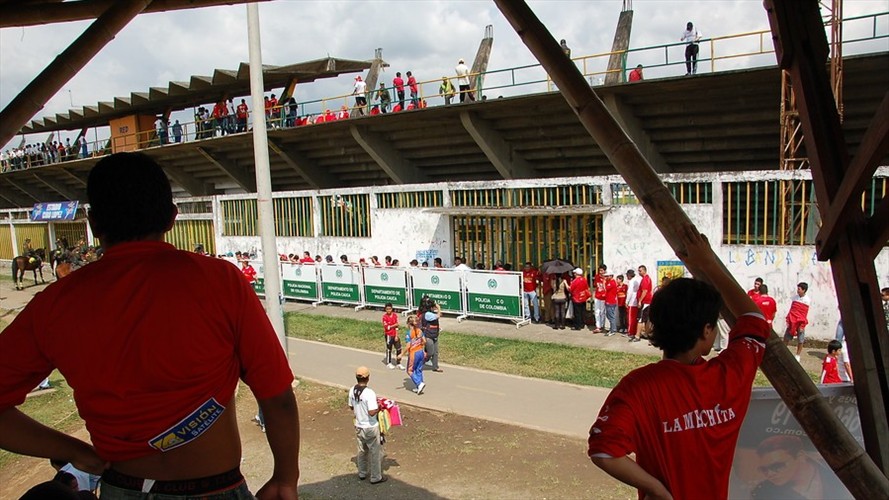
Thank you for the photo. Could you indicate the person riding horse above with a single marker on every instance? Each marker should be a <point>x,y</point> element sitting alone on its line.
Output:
<point>28,251</point>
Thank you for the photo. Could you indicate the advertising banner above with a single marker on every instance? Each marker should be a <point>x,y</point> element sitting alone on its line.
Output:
<point>494,294</point>
<point>441,285</point>
<point>775,458</point>
<point>340,284</point>
<point>300,281</point>
<point>384,285</point>
<point>54,211</point>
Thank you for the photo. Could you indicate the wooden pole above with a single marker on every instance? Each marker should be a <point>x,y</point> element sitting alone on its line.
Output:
<point>854,468</point>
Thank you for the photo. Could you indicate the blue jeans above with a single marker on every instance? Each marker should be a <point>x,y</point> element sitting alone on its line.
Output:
<point>240,492</point>
<point>417,369</point>
<point>535,302</point>
<point>609,313</point>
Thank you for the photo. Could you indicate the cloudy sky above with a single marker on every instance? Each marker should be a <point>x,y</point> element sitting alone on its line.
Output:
<point>424,36</point>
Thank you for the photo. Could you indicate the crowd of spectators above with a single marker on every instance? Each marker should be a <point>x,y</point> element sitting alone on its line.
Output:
<point>35,155</point>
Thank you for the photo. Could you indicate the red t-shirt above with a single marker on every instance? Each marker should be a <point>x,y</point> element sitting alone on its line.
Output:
<point>412,83</point>
<point>599,285</point>
<point>242,111</point>
<point>622,295</point>
<point>830,374</point>
<point>682,421</point>
<point>249,273</point>
<point>398,82</point>
<point>753,294</point>
<point>577,286</point>
<point>635,75</point>
<point>645,284</point>
<point>611,292</point>
<point>767,305</point>
<point>530,278</point>
<point>390,324</point>
<point>162,333</point>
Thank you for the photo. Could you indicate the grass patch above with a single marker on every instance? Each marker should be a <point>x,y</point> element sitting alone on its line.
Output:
<point>577,365</point>
<point>549,361</point>
<point>55,409</point>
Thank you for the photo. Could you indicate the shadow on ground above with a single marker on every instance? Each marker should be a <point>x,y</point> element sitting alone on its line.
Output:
<point>348,486</point>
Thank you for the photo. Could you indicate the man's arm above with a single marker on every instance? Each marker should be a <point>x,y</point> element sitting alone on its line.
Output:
<point>629,472</point>
<point>21,434</point>
<point>281,415</point>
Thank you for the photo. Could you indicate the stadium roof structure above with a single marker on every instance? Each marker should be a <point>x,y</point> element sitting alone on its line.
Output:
<point>199,89</point>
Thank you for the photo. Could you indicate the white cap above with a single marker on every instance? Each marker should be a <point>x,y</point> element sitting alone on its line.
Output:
<point>578,271</point>
<point>460,61</point>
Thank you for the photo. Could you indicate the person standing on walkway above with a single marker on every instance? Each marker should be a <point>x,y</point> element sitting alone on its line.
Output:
<point>580,294</point>
<point>660,411</point>
<point>559,301</point>
<point>416,354</point>
<point>611,303</point>
<point>691,37</point>
<point>384,98</point>
<point>360,93</point>
<point>644,299</point>
<point>133,388</point>
<point>599,298</point>
<point>415,91</point>
<point>398,83</point>
<point>463,81</point>
<point>363,403</point>
<point>390,332</point>
<point>430,313</point>
<point>530,279</point>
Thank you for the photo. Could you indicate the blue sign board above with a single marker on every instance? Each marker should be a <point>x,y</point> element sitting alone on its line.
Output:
<point>54,211</point>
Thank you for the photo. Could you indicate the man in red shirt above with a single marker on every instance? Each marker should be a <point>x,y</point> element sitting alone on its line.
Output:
<point>530,279</point>
<point>415,91</point>
<point>307,258</point>
<point>636,74</point>
<point>242,113</point>
<point>610,303</point>
<point>621,304</point>
<point>682,415</point>
<point>753,292</point>
<point>398,83</point>
<point>219,116</point>
<point>599,298</point>
<point>153,359</point>
<point>644,299</point>
<point>765,303</point>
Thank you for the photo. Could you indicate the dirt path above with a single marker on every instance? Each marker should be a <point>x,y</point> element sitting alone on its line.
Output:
<point>434,455</point>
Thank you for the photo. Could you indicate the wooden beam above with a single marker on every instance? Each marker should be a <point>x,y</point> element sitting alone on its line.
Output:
<point>801,47</point>
<point>237,173</point>
<point>59,12</point>
<point>874,147</point>
<point>63,190</point>
<point>396,166</point>
<point>878,228</point>
<point>500,153</point>
<point>317,177</point>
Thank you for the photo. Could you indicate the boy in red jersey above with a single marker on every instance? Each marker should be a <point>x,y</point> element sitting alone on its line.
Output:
<point>610,303</point>
<point>390,329</point>
<point>248,271</point>
<point>830,373</point>
<point>798,317</point>
<point>765,303</point>
<point>682,415</point>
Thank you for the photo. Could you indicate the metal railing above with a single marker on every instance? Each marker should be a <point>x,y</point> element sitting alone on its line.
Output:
<point>656,59</point>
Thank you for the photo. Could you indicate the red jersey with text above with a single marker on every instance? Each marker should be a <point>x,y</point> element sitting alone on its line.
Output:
<point>622,295</point>
<point>798,316</point>
<point>611,292</point>
<point>599,287</point>
<point>530,278</point>
<point>390,324</point>
<point>645,286</point>
<point>159,343</point>
<point>830,373</point>
<point>767,305</point>
<point>682,421</point>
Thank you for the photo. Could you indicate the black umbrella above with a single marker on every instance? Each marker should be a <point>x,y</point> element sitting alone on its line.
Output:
<point>556,266</point>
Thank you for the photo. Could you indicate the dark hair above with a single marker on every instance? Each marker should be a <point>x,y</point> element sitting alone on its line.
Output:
<point>791,444</point>
<point>803,285</point>
<point>763,289</point>
<point>631,273</point>
<point>758,280</point>
<point>885,290</point>
<point>388,305</point>
<point>50,490</point>
<point>603,267</point>
<point>679,313</point>
<point>130,197</point>
<point>834,346</point>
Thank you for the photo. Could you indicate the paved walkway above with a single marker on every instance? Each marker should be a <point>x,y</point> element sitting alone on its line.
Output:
<point>557,407</point>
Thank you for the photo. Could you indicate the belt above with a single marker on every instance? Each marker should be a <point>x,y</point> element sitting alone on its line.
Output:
<point>199,486</point>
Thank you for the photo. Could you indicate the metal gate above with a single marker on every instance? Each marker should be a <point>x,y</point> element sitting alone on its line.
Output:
<point>188,233</point>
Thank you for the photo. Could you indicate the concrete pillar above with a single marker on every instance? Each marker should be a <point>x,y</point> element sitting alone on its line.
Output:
<point>617,61</point>
<point>480,65</point>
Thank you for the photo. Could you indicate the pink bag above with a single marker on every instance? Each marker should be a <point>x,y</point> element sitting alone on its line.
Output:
<point>395,415</point>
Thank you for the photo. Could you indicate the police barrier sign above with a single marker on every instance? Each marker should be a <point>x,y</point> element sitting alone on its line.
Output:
<point>340,284</point>
<point>774,458</point>
<point>494,294</point>
<point>441,285</point>
<point>300,281</point>
<point>385,285</point>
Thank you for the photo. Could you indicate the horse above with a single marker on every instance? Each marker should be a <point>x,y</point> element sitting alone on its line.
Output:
<point>23,263</point>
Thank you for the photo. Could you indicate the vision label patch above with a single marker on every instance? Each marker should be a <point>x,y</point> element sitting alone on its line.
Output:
<point>189,427</point>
